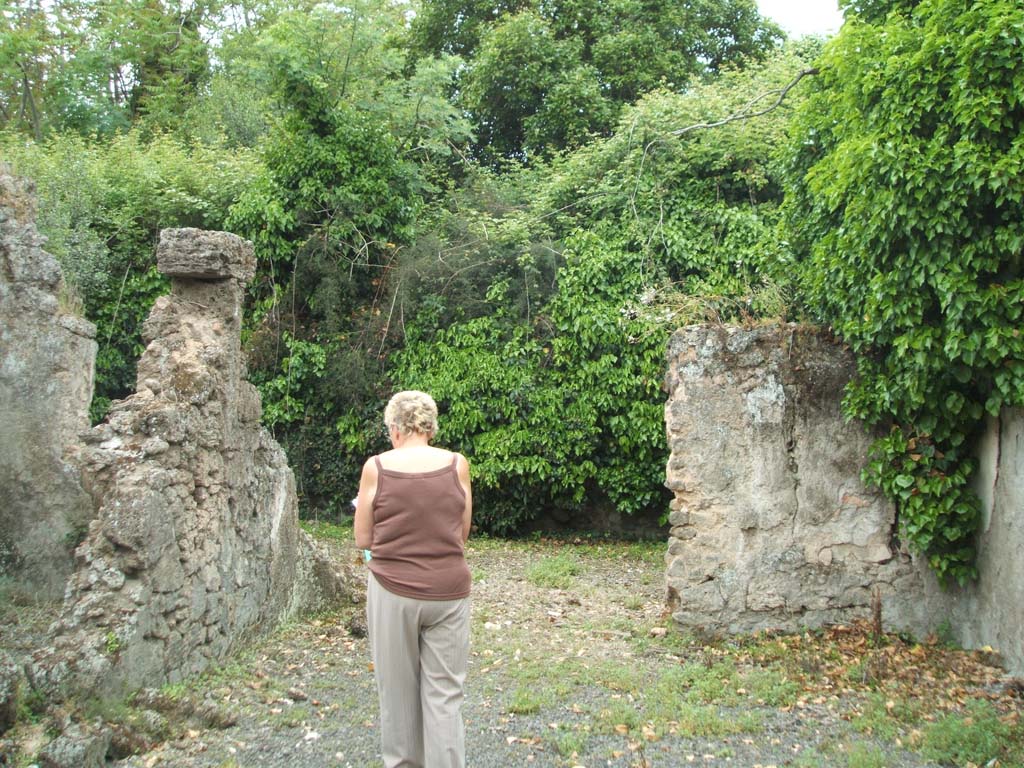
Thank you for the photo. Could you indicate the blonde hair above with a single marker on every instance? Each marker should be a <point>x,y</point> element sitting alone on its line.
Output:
<point>412,411</point>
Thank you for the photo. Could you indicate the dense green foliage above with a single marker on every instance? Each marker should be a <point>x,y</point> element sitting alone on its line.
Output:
<point>544,76</point>
<point>509,204</point>
<point>556,393</point>
<point>912,215</point>
<point>563,414</point>
<point>99,67</point>
<point>103,206</point>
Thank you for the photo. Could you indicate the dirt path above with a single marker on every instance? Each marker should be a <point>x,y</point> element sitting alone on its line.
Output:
<point>573,664</point>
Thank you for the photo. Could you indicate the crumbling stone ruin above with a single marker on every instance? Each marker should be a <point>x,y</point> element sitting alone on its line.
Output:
<point>195,543</point>
<point>189,536</point>
<point>46,375</point>
<point>771,527</point>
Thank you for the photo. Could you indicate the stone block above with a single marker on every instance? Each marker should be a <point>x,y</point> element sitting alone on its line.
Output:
<point>778,526</point>
<point>202,255</point>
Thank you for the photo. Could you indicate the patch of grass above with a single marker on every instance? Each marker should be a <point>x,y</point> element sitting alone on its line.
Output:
<point>569,742</point>
<point>529,700</point>
<point>651,552</point>
<point>617,714</point>
<point>713,685</point>
<point>865,756</point>
<point>556,572</point>
<point>671,704</point>
<point>812,758</point>
<point>633,603</point>
<point>483,544</point>
<point>291,717</point>
<point>675,641</point>
<point>325,531</point>
<point>887,718</point>
<point>705,720</point>
<point>616,676</point>
<point>977,736</point>
<point>771,686</point>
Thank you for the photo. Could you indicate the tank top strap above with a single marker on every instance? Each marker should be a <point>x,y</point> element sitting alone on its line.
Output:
<point>455,461</point>
<point>380,467</point>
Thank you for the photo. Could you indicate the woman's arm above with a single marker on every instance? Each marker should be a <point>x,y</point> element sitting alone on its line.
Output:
<point>362,523</point>
<point>462,467</point>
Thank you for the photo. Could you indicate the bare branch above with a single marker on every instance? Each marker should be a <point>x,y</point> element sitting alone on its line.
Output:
<point>745,114</point>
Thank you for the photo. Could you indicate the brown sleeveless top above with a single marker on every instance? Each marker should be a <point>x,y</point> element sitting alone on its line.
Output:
<point>417,533</point>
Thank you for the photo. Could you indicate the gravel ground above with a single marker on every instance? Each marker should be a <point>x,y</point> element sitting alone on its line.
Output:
<point>578,674</point>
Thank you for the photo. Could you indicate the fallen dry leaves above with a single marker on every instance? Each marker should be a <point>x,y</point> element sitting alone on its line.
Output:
<point>845,658</point>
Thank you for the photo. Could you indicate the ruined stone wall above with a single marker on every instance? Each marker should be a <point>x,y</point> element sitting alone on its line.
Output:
<point>193,544</point>
<point>46,377</point>
<point>990,611</point>
<point>771,526</point>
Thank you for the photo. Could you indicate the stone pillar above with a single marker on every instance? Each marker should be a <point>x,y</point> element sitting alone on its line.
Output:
<point>46,379</point>
<point>196,546</point>
<point>771,525</point>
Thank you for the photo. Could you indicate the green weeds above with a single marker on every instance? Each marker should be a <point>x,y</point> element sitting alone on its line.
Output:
<point>555,572</point>
<point>529,700</point>
<point>324,531</point>
<point>977,735</point>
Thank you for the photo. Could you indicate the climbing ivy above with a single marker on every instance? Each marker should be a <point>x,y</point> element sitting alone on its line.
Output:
<point>910,212</point>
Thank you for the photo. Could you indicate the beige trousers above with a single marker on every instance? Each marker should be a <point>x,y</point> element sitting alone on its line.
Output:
<point>420,651</point>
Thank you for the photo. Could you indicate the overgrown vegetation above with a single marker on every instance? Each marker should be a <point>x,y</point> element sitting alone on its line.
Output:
<point>507,205</point>
<point>908,214</point>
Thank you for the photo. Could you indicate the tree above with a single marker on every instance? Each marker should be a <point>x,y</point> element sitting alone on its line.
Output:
<point>535,66</point>
<point>95,67</point>
<point>355,147</point>
<point>908,210</point>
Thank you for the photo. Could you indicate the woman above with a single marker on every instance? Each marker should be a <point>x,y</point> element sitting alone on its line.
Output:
<point>413,513</point>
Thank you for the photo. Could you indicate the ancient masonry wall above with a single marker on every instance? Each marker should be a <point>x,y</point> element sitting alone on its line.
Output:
<point>191,538</point>
<point>46,378</point>
<point>771,526</point>
<point>990,611</point>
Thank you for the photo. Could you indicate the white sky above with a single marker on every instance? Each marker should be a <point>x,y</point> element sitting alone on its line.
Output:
<point>803,17</point>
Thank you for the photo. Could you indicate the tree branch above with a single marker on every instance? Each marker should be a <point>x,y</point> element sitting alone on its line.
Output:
<point>744,114</point>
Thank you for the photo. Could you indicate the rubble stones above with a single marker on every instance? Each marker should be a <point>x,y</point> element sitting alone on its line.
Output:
<point>79,746</point>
